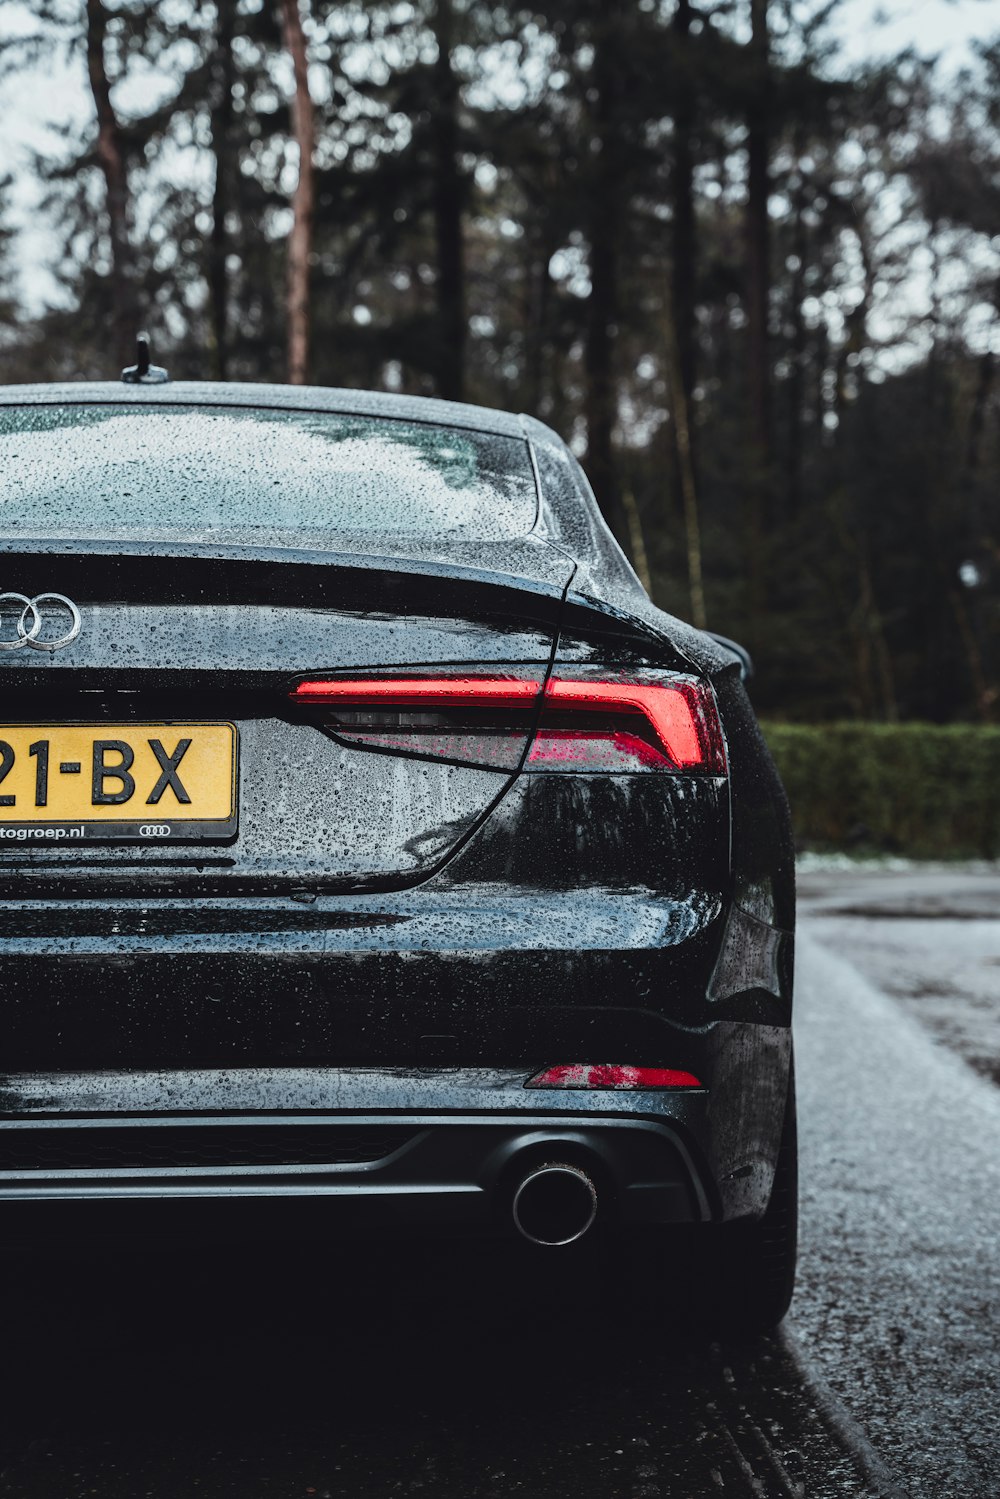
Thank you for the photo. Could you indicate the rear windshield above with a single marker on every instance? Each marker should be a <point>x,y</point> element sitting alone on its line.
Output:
<point>230,474</point>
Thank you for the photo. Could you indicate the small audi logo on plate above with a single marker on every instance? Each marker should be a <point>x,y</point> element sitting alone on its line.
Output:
<point>36,621</point>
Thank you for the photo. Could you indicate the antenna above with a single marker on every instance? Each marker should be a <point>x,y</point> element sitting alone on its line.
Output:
<point>142,372</point>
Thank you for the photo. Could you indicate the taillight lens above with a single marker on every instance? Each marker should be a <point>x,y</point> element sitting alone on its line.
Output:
<point>473,720</point>
<point>611,1075</point>
<point>640,721</point>
<point>584,721</point>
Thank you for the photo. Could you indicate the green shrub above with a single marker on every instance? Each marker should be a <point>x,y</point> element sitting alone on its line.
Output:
<point>923,790</point>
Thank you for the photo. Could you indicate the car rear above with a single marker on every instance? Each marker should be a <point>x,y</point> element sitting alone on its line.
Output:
<point>367,863</point>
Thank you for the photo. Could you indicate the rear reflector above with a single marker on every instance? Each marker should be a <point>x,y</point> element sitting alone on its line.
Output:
<point>585,721</point>
<point>611,1075</point>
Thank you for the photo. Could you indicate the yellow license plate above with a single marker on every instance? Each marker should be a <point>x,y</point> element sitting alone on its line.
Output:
<point>72,783</point>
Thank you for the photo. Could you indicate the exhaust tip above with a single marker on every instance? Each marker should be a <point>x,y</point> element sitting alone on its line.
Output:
<point>555,1204</point>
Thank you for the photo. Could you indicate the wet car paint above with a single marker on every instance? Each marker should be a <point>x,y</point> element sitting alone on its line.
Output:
<point>378,910</point>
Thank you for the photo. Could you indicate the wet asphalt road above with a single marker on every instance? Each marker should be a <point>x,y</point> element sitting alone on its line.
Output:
<point>899,1293</point>
<point>463,1372</point>
<point>432,1380</point>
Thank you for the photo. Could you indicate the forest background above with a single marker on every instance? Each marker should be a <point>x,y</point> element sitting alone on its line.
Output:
<point>755,284</point>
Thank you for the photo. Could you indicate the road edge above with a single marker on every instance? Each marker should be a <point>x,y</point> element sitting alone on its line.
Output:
<point>851,1436</point>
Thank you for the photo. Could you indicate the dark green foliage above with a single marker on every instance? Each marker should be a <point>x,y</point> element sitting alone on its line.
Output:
<point>928,791</point>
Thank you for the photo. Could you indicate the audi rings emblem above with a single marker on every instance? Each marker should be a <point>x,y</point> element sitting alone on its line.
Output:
<point>30,620</point>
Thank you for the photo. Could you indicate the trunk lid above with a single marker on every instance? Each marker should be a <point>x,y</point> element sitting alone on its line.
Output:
<point>184,633</point>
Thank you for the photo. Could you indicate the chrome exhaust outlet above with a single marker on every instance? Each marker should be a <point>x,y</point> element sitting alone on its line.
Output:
<point>554,1204</point>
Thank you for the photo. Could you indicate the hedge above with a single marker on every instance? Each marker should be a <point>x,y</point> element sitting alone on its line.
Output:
<point>922,790</point>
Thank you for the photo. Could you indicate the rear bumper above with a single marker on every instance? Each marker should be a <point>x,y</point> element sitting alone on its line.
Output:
<point>340,1151</point>
<point>471,976</point>
<point>424,1015</point>
<point>446,1173</point>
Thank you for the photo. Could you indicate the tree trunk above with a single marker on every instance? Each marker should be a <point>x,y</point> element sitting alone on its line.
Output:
<point>223,72</point>
<point>111,157</point>
<point>448,203</point>
<point>969,612</point>
<point>303,199</point>
<point>537,302</point>
<point>682,289</point>
<point>873,680</point>
<point>606,204</point>
<point>977,419</point>
<point>681,336</point>
<point>599,402</point>
<point>757,303</point>
<point>688,485</point>
<point>983,690</point>
<point>797,349</point>
<point>637,541</point>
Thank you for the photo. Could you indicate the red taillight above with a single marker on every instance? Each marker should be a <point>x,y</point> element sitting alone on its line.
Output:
<point>585,721</point>
<point>417,692</point>
<point>593,749</point>
<point>611,1075</point>
<point>472,720</point>
<point>669,724</point>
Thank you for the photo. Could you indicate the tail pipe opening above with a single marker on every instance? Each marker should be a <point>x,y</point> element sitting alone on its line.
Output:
<point>554,1203</point>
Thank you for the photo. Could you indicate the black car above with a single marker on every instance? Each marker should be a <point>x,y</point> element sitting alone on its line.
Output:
<point>376,857</point>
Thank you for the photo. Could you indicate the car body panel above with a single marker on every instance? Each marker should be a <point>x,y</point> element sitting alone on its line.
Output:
<point>390,936</point>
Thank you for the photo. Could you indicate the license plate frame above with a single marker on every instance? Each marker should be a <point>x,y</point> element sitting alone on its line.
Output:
<point>168,820</point>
